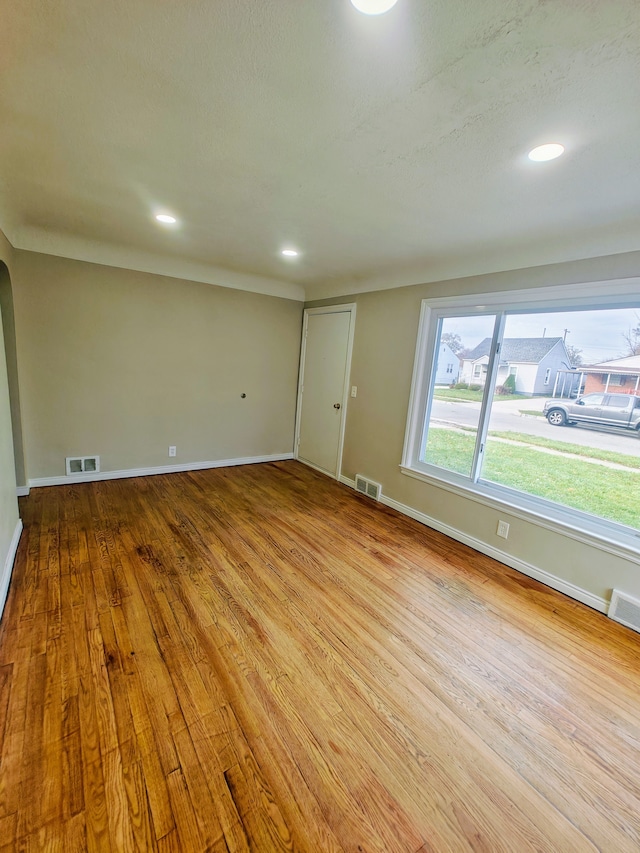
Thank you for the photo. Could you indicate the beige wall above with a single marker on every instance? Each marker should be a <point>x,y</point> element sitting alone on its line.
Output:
<point>8,502</point>
<point>123,364</point>
<point>384,348</point>
<point>10,347</point>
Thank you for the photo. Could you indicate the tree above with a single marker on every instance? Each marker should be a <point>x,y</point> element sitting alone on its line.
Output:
<point>632,338</point>
<point>453,341</point>
<point>575,356</point>
<point>510,384</point>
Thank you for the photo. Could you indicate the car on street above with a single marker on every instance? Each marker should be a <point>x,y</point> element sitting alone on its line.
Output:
<point>608,410</point>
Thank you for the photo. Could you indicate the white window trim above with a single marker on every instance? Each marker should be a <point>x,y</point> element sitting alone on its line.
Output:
<point>575,524</point>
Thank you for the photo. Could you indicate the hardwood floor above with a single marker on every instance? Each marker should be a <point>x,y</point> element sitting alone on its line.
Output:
<point>259,659</point>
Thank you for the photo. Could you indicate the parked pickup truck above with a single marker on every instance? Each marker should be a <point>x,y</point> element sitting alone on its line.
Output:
<point>611,410</point>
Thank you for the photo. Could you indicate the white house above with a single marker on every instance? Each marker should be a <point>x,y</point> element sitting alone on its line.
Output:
<point>533,361</point>
<point>447,365</point>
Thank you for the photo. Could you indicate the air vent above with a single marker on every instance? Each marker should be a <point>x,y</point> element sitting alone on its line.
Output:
<point>83,464</point>
<point>625,609</point>
<point>368,487</point>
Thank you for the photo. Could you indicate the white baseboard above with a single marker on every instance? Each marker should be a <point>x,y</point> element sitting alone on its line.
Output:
<point>347,481</point>
<point>316,468</point>
<point>160,469</point>
<point>5,578</point>
<point>22,491</point>
<point>573,591</point>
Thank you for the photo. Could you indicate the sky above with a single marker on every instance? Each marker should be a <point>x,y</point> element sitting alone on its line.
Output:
<point>597,333</point>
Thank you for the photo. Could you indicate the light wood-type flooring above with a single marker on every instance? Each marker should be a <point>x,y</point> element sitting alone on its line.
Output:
<point>258,659</point>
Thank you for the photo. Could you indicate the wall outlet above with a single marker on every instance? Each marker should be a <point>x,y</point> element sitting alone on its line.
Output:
<point>503,529</point>
<point>354,390</point>
<point>172,451</point>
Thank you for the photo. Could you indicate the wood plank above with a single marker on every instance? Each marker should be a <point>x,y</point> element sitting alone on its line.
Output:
<point>258,659</point>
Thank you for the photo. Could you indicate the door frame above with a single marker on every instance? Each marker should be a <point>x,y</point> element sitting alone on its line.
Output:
<point>350,308</point>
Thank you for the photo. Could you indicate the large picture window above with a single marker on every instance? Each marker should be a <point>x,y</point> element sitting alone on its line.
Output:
<point>518,420</point>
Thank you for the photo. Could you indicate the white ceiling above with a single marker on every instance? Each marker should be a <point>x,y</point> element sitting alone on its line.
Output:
<point>389,149</point>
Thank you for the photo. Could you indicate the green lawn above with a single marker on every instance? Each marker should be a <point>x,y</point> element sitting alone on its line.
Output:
<point>464,395</point>
<point>602,491</point>
<point>458,395</point>
<point>564,447</point>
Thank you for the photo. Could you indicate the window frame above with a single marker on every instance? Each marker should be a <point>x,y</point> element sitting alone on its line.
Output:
<point>616,538</point>
<point>624,400</point>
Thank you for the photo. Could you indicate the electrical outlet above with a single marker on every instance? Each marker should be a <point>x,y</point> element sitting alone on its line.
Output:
<point>354,390</point>
<point>172,450</point>
<point>503,529</point>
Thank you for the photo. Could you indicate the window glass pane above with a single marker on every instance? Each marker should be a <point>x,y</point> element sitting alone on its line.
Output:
<point>556,435</point>
<point>457,396</point>
<point>618,400</point>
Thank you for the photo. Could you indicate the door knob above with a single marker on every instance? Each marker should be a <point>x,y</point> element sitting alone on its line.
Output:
<point>336,405</point>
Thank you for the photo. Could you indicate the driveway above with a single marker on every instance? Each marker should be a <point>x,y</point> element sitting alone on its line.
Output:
<point>506,417</point>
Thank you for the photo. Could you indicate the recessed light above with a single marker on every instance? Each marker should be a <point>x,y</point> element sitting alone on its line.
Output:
<point>290,253</point>
<point>374,7</point>
<point>546,152</point>
<point>166,218</point>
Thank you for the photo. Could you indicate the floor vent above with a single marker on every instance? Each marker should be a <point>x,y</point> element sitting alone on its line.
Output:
<point>625,609</point>
<point>83,464</point>
<point>368,487</point>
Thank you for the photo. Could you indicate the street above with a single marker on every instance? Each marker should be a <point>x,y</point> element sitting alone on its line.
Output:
<point>506,417</point>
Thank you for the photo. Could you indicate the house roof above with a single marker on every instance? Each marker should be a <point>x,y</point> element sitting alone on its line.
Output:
<point>516,350</point>
<point>369,143</point>
<point>628,362</point>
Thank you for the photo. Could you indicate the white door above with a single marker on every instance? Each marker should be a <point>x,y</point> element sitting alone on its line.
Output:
<point>324,375</point>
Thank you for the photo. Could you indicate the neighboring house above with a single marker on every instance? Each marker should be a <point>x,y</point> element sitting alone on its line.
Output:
<point>620,374</point>
<point>447,366</point>
<point>534,362</point>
